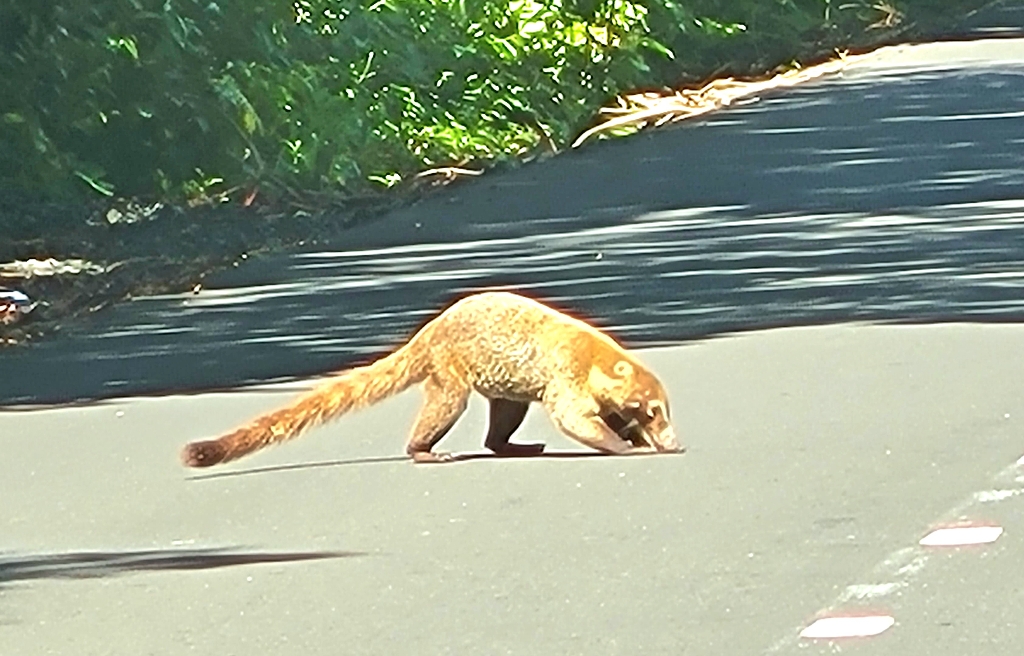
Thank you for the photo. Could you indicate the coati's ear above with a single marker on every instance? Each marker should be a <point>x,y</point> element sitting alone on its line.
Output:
<point>609,384</point>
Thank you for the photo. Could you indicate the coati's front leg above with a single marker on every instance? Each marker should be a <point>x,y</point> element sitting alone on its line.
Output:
<point>578,416</point>
<point>505,417</point>
<point>444,401</point>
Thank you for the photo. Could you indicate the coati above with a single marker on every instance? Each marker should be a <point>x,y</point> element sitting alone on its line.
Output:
<point>511,349</point>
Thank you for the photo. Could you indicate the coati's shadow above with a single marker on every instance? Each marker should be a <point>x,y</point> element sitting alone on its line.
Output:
<point>303,465</point>
<point>547,455</point>
<point>456,458</point>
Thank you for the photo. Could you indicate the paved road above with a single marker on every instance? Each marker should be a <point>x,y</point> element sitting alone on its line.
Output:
<point>818,458</point>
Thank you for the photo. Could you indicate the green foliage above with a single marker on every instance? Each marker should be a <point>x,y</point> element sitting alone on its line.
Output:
<point>125,96</point>
<point>195,98</point>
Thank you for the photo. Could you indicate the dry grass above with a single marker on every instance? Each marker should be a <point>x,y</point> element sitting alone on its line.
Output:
<point>640,110</point>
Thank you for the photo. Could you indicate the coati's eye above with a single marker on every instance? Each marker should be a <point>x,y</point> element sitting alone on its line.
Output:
<point>656,405</point>
<point>622,368</point>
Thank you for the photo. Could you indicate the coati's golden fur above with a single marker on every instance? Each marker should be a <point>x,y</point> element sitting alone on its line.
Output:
<point>511,349</point>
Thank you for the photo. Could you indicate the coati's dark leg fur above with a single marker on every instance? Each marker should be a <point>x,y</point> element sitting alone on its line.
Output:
<point>443,404</point>
<point>505,417</point>
<point>628,428</point>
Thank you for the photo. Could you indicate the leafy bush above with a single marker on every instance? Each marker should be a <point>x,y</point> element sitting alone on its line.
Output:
<point>201,97</point>
<point>184,94</point>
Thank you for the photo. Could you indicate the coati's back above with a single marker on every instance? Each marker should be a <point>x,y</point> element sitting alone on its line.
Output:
<point>511,346</point>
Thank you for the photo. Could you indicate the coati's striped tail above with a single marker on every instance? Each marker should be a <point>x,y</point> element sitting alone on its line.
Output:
<point>350,390</point>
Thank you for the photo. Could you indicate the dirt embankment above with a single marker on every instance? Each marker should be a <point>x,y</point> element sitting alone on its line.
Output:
<point>59,262</point>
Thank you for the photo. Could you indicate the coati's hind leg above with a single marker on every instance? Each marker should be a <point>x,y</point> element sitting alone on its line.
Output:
<point>505,417</point>
<point>443,404</point>
<point>578,416</point>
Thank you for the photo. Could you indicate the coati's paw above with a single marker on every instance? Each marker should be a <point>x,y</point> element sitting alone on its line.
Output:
<point>432,456</point>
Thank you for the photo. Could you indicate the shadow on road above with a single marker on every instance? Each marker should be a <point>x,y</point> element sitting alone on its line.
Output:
<point>92,564</point>
<point>300,466</point>
<point>456,458</point>
<point>889,194</point>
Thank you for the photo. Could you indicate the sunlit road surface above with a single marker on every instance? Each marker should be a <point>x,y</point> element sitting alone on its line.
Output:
<point>820,459</point>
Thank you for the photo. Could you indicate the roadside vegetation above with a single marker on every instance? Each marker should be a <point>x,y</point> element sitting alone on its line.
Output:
<point>260,100</point>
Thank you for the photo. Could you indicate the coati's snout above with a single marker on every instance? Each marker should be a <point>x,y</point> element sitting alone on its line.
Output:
<point>653,420</point>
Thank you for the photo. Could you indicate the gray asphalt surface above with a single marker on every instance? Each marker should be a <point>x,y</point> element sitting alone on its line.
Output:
<point>818,457</point>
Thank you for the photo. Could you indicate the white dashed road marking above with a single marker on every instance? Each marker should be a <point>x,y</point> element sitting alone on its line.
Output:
<point>895,572</point>
<point>848,627</point>
<point>961,535</point>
